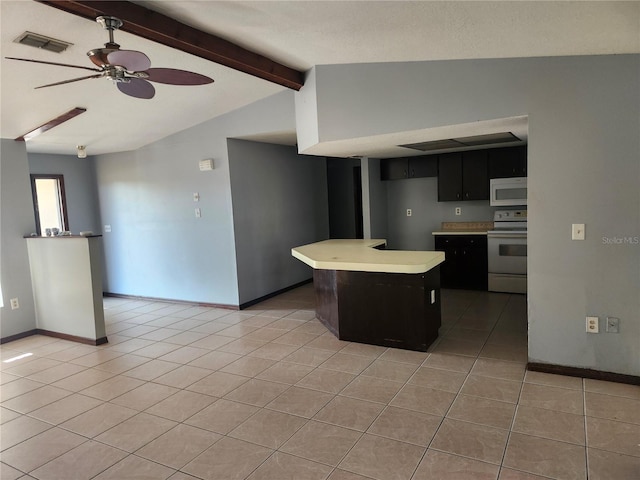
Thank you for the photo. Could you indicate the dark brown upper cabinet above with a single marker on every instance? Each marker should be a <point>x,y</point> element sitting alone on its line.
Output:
<point>508,162</point>
<point>463,176</point>
<point>409,167</point>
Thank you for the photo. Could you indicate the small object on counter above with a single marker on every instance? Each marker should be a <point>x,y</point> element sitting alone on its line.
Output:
<point>66,233</point>
<point>33,234</point>
<point>55,231</point>
<point>86,233</point>
<point>48,232</point>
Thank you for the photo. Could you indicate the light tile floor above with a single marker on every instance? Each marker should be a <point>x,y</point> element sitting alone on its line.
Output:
<point>186,392</point>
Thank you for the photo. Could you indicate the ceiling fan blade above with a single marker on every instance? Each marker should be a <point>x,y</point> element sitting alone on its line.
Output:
<point>132,60</point>
<point>137,87</point>
<point>54,63</point>
<point>174,76</point>
<point>70,81</point>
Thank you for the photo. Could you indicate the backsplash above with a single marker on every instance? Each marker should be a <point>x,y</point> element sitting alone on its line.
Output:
<point>466,226</point>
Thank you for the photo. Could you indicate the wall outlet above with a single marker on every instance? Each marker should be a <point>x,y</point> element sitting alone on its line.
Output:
<point>107,229</point>
<point>613,325</point>
<point>14,304</point>
<point>198,213</point>
<point>592,324</point>
<point>409,212</point>
<point>577,231</point>
<point>458,210</point>
<point>196,197</point>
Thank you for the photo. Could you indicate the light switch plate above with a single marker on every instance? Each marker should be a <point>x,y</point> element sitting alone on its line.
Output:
<point>613,325</point>
<point>577,231</point>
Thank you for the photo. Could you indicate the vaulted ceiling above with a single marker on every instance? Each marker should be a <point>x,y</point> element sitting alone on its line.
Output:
<point>295,34</point>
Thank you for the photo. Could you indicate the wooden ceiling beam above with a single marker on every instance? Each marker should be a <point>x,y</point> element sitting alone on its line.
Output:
<point>160,28</point>
<point>51,124</point>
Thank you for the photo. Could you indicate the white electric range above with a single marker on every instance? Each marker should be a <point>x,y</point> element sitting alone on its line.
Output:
<point>507,251</point>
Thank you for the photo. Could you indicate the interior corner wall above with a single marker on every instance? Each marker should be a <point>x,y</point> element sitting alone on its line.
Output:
<point>79,185</point>
<point>157,247</point>
<point>16,220</point>
<point>583,151</point>
<point>306,108</point>
<point>279,202</point>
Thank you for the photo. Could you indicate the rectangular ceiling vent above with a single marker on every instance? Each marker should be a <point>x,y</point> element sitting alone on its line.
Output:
<point>40,41</point>
<point>474,141</point>
<point>490,139</point>
<point>433,145</point>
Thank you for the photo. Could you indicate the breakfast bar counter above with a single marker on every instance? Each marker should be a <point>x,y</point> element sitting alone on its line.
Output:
<point>66,277</point>
<point>367,294</point>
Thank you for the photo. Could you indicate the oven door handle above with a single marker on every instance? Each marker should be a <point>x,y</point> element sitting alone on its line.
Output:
<point>507,235</point>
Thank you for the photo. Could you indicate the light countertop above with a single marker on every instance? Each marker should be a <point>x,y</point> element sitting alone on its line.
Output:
<point>362,256</point>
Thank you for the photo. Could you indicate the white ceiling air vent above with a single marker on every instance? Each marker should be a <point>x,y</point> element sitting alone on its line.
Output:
<point>433,145</point>
<point>490,139</point>
<point>40,41</point>
<point>474,141</point>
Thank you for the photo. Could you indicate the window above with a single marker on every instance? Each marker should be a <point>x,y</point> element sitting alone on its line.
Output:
<point>49,202</point>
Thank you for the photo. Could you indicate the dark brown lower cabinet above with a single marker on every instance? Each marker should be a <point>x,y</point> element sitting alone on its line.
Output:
<point>465,261</point>
<point>388,309</point>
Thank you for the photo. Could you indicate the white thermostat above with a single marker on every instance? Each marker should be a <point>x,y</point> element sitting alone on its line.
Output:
<point>206,164</point>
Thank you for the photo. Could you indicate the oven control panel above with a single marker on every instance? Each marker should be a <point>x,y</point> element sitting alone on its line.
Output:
<point>510,215</point>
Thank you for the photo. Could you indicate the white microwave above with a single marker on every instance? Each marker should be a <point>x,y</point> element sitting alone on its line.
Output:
<point>508,191</point>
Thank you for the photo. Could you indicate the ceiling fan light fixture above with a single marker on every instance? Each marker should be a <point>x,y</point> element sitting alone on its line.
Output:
<point>128,69</point>
<point>82,151</point>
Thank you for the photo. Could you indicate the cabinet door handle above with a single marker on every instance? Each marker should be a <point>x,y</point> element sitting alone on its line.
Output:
<point>457,195</point>
<point>466,194</point>
<point>413,173</point>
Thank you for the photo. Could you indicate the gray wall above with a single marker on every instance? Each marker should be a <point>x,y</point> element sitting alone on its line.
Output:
<point>79,184</point>
<point>427,214</point>
<point>279,202</point>
<point>157,247</point>
<point>16,220</point>
<point>583,151</point>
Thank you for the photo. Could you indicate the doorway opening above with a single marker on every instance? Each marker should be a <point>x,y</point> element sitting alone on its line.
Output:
<point>344,185</point>
<point>49,202</point>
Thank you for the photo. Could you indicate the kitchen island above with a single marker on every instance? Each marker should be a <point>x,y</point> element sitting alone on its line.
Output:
<point>367,294</point>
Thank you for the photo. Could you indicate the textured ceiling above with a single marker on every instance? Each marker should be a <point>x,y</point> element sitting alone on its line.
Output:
<point>299,34</point>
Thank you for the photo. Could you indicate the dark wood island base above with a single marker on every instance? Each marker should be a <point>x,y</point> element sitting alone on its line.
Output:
<point>397,310</point>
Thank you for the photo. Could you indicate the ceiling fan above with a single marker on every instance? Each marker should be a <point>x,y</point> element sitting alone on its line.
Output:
<point>129,69</point>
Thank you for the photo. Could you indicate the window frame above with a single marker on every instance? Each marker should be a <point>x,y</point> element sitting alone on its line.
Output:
<point>63,198</point>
